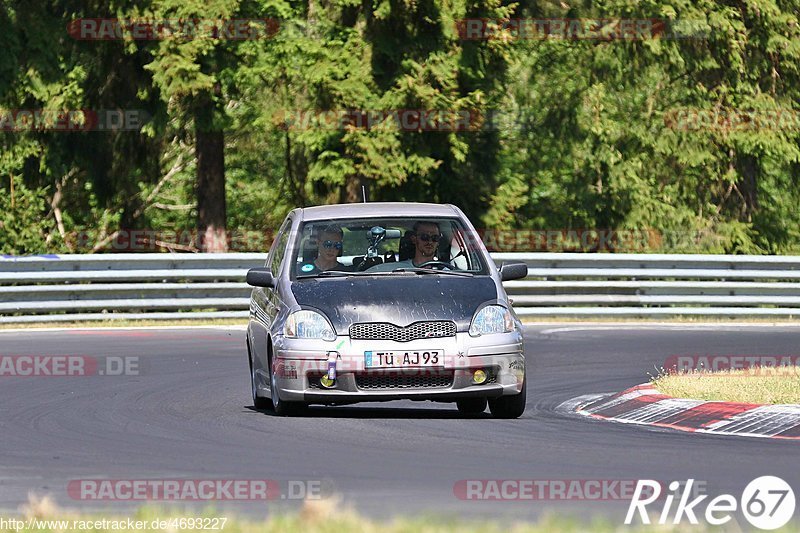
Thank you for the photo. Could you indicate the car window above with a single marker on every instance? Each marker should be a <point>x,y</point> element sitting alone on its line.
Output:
<point>278,250</point>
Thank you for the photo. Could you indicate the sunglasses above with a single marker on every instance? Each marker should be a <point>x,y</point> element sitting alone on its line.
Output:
<point>426,237</point>
<point>333,244</point>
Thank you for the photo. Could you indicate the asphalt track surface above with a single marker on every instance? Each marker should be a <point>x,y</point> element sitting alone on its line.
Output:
<point>188,414</point>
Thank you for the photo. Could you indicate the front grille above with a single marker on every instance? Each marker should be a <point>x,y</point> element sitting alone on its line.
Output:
<point>386,381</point>
<point>384,331</point>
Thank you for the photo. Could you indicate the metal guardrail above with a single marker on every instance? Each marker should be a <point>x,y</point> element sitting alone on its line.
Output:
<point>175,286</point>
<point>57,288</point>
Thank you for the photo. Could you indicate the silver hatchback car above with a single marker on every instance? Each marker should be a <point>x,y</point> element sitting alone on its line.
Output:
<point>384,301</point>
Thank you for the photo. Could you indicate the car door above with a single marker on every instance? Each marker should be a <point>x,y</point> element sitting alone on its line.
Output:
<point>265,302</point>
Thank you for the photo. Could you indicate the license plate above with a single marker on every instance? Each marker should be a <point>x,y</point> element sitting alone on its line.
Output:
<point>427,358</point>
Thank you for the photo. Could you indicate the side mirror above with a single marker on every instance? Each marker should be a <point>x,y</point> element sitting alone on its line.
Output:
<point>513,270</point>
<point>260,277</point>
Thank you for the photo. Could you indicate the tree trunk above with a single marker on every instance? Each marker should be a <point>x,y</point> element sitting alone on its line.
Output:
<point>211,207</point>
<point>748,185</point>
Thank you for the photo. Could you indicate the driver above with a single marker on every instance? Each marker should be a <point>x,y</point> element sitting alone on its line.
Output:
<point>426,241</point>
<point>425,238</point>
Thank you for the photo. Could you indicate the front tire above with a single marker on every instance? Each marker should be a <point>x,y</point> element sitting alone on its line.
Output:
<point>471,406</point>
<point>510,406</point>
<point>258,402</point>
<point>282,407</point>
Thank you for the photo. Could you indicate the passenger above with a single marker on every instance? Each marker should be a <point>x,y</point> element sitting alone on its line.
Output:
<point>329,248</point>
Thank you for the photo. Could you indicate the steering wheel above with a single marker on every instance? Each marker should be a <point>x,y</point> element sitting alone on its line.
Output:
<point>368,263</point>
<point>438,265</point>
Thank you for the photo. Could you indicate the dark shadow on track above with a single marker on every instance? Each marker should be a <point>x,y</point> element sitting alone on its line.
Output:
<point>376,413</point>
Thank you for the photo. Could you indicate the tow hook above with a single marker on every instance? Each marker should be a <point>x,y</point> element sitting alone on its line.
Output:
<point>329,380</point>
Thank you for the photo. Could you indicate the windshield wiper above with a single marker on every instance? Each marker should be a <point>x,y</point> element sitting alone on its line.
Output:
<point>434,271</point>
<point>402,270</point>
<point>330,274</point>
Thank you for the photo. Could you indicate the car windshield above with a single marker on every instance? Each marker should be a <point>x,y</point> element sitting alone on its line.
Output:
<point>386,246</point>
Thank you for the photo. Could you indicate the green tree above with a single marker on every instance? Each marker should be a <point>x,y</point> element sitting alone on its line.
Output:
<point>601,148</point>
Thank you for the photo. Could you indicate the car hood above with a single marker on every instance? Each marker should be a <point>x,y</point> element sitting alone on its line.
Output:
<point>400,300</point>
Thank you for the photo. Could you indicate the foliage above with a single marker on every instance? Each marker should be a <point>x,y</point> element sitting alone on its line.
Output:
<point>21,231</point>
<point>596,134</point>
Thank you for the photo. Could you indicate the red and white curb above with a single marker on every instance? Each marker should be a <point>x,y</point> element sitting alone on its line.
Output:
<point>644,405</point>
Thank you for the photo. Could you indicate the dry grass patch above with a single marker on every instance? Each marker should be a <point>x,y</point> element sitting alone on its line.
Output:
<point>755,385</point>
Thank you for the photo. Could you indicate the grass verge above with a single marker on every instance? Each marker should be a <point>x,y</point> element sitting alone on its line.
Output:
<point>759,385</point>
<point>323,516</point>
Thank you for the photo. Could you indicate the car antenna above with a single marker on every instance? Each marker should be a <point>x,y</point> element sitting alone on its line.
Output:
<point>364,193</point>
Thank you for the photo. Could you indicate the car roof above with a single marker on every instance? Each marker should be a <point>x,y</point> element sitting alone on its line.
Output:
<point>377,209</point>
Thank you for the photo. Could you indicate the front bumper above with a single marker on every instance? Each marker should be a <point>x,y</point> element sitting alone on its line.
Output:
<point>298,365</point>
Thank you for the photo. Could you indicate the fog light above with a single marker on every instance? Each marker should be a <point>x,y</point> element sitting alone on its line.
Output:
<point>327,382</point>
<point>479,377</point>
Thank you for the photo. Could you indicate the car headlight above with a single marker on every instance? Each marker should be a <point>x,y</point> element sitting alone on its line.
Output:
<point>491,319</point>
<point>308,325</point>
